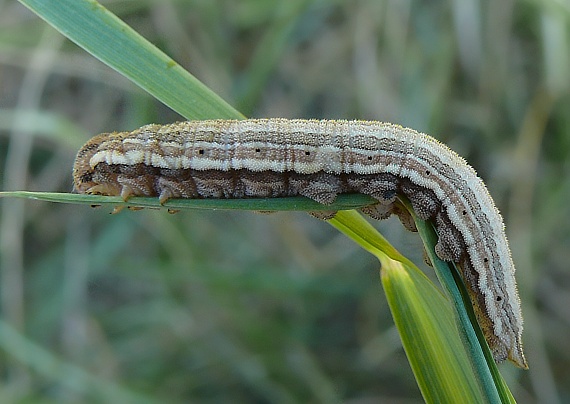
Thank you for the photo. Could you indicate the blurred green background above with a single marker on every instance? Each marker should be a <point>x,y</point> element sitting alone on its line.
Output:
<point>248,308</point>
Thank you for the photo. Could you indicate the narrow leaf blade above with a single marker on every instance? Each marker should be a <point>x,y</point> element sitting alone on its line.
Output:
<point>105,36</point>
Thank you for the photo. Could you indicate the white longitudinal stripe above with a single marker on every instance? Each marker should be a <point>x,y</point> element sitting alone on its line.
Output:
<point>308,147</point>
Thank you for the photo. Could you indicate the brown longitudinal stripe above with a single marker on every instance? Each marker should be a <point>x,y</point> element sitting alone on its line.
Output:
<point>319,160</point>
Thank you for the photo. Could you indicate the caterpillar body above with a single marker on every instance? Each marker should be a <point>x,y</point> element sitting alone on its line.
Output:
<point>320,159</point>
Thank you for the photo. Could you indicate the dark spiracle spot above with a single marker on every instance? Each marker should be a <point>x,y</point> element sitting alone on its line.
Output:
<point>464,212</point>
<point>257,150</point>
<point>369,158</point>
<point>499,298</point>
<point>307,153</point>
<point>486,260</point>
<point>428,172</point>
<point>201,151</point>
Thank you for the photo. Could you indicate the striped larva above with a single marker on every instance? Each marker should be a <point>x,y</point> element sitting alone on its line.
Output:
<point>319,160</point>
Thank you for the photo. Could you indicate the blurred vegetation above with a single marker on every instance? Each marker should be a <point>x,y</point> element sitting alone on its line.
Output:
<point>240,307</point>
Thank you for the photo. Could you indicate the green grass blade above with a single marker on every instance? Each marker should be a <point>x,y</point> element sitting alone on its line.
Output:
<point>343,202</point>
<point>474,341</point>
<point>424,319</point>
<point>353,225</point>
<point>105,36</point>
<point>430,339</point>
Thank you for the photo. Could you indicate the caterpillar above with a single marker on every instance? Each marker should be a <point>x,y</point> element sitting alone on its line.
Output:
<point>320,159</point>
